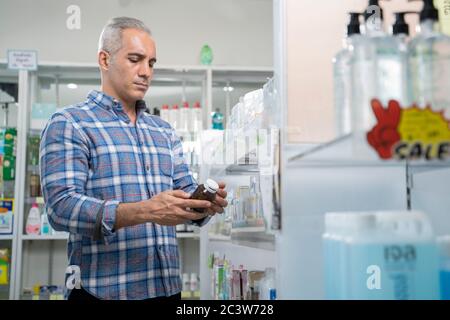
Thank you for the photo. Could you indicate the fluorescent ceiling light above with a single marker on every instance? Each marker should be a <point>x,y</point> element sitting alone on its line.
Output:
<point>72,85</point>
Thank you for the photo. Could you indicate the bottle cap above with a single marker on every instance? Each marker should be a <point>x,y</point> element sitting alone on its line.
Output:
<point>353,26</point>
<point>34,205</point>
<point>211,186</point>
<point>185,104</point>
<point>165,107</point>
<point>429,11</point>
<point>197,104</point>
<point>175,106</point>
<point>400,26</point>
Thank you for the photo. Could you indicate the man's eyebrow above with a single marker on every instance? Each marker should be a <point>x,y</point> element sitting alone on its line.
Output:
<point>140,55</point>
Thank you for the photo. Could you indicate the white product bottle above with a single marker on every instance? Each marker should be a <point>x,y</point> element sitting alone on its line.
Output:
<point>184,117</point>
<point>186,282</point>
<point>33,225</point>
<point>174,117</point>
<point>343,76</point>
<point>429,55</point>
<point>196,118</point>
<point>165,113</point>
<point>193,282</point>
<point>45,225</point>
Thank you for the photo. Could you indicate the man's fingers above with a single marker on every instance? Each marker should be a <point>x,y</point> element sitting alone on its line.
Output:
<point>189,215</point>
<point>220,201</point>
<point>222,185</point>
<point>217,208</point>
<point>191,203</point>
<point>222,193</point>
<point>180,194</point>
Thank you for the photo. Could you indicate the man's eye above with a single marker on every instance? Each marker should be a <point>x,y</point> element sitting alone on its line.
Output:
<point>133,60</point>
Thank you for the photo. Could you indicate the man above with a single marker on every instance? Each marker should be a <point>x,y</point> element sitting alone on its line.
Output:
<point>114,177</point>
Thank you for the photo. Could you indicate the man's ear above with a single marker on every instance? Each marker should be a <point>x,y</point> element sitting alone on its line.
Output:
<point>104,60</point>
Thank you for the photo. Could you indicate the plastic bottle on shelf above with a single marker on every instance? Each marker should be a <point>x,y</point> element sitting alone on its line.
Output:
<point>193,283</point>
<point>206,55</point>
<point>343,77</point>
<point>174,117</point>
<point>364,68</point>
<point>217,120</point>
<point>33,225</point>
<point>196,118</point>
<point>429,54</point>
<point>185,282</point>
<point>45,225</point>
<point>184,117</point>
<point>164,114</point>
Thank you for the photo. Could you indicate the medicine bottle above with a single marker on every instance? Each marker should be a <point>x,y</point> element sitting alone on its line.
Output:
<point>206,191</point>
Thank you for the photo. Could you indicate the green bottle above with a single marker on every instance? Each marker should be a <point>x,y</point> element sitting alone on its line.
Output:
<point>206,55</point>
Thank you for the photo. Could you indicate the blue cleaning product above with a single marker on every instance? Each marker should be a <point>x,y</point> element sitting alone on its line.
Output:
<point>334,256</point>
<point>444,249</point>
<point>394,259</point>
<point>217,120</point>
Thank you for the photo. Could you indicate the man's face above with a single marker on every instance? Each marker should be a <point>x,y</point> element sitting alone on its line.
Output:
<point>131,67</point>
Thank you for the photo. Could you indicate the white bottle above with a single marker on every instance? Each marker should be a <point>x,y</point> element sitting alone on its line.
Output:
<point>196,118</point>
<point>174,117</point>
<point>186,282</point>
<point>165,113</point>
<point>33,225</point>
<point>184,117</point>
<point>45,225</point>
<point>193,282</point>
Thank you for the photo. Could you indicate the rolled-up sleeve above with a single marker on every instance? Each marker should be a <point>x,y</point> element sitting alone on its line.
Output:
<point>64,168</point>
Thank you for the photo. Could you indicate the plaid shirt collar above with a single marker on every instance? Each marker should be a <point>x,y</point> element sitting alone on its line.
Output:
<point>109,103</point>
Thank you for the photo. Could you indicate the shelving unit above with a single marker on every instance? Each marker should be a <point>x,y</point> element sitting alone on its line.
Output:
<point>23,247</point>
<point>64,237</point>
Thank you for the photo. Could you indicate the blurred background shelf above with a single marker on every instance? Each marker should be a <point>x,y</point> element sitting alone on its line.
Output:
<point>46,237</point>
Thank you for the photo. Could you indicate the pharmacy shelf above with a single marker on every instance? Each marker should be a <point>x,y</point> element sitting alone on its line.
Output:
<point>219,237</point>
<point>257,229</point>
<point>45,237</point>
<point>188,235</point>
<point>6,236</point>
<point>242,169</point>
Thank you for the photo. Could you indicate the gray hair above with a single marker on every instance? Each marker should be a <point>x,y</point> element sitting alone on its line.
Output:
<point>111,36</point>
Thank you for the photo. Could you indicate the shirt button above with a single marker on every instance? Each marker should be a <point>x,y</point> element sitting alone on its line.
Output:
<point>159,248</point>
<point>147,167</point>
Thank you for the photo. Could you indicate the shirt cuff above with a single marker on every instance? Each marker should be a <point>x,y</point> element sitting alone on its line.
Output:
<point>109,219</point>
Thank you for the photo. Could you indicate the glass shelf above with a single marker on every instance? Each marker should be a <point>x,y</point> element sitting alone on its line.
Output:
<point>354,151</point>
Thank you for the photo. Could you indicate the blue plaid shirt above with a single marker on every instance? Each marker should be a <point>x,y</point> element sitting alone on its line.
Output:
<point>91,159</point>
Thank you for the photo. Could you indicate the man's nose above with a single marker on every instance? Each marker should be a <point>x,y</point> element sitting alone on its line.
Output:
<point>145,71</point>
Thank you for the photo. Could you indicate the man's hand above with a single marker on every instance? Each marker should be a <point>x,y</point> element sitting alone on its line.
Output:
<point>167,208</point>
<point>219,203</point>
